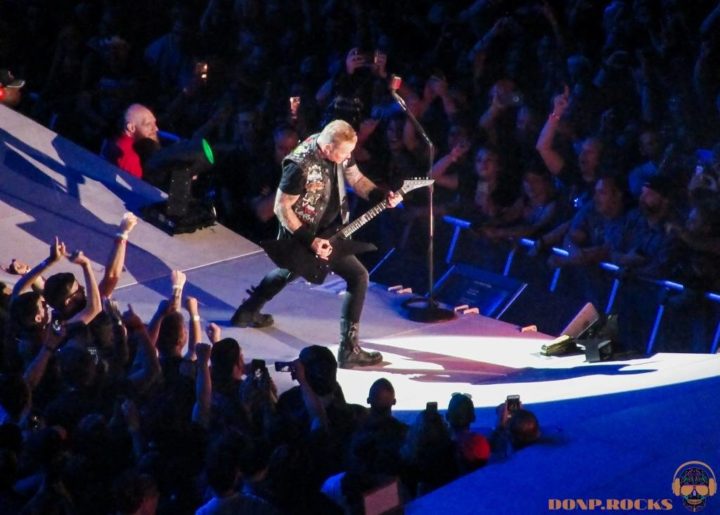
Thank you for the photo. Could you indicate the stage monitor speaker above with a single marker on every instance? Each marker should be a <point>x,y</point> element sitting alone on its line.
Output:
<point>591,332</point>
<point>491,293</point>
<point>582,323</point>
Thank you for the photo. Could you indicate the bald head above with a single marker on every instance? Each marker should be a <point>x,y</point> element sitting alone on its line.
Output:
<point>140,123</point>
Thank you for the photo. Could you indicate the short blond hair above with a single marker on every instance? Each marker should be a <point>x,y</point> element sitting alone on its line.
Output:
<point>337,132</point>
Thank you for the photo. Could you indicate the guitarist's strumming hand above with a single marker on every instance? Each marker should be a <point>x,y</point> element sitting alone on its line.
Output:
<point>322,248</point>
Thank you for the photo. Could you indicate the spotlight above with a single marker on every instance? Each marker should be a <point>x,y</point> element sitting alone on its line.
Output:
<point>176,169</point>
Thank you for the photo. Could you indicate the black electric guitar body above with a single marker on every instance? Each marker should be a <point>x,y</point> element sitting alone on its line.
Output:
<point>302,261</point>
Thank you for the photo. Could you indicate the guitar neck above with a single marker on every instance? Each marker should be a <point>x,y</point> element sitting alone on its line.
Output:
<point>368,215</point>
<point>408,185</point>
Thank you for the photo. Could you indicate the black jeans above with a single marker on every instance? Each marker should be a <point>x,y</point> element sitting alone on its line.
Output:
<point>348,267</point>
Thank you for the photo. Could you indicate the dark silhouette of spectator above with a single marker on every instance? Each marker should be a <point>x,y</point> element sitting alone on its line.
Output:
<point>492,192</point>
<point>223,476</point>
<point>651,151</point>
<point>10,500</point>
<point>349,94</point>
<point>135,494</point>
<point>646,242</point>
<point>169,58</point>
<point>513,431</point>
<point>249,186</point>
<point>472,449</point>
<point>318,408</point>
<point>596,229</point>
<point>540,208</point>
<point>428,454</point>
<point>696,246</point>
<point>379,422</point>
<point>15,400</point>
<point>576,174</point>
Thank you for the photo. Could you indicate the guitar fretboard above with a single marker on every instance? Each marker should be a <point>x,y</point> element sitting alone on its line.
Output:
<point>363,219</point>
<point>371,213</point>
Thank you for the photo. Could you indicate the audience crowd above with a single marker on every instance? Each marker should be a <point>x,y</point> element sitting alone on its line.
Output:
<point>591,125</point>
<point>103,413</point>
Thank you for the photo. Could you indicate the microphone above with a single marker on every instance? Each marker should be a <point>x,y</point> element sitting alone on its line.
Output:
<point>395,83</point>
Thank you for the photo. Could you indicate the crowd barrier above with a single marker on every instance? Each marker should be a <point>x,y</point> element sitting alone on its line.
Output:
<point>617,275</point>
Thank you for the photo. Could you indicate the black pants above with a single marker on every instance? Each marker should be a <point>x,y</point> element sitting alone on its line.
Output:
<point>348,267</point>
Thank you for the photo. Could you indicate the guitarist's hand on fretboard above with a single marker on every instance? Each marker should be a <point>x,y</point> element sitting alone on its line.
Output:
<point>322,248</point>
<point>393,199</point>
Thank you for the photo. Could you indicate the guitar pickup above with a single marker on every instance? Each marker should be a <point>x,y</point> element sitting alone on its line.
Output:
<point>395,288</point>
<point>461,308</point>
<point>471,311</point>
<point>405,290</point>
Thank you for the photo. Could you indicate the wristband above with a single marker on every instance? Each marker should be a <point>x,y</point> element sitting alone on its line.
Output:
<point>304,236</point>
<point>122,235</point>
<point>553,116</point>
<point>195,318</point>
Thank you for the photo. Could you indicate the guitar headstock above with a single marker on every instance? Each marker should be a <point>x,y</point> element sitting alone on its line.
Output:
<point>415,183</point>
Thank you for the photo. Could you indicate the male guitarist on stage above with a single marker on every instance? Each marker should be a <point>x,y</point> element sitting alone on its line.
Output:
<point>310,200</point>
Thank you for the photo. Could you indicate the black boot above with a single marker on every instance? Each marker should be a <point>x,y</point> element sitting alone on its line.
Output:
<point>350,354</point>
<point>248,314</point>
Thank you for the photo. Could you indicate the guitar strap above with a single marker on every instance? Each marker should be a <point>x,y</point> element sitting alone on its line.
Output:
<point>342,193</point>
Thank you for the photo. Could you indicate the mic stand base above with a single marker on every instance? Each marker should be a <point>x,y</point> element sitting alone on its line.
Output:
<point>427,310</point>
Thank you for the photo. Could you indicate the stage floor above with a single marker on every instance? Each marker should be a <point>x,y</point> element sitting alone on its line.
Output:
<point>615,429</point>
<point>486,358</point>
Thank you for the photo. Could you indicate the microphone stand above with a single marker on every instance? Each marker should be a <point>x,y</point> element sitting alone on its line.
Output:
<point>425,309</point>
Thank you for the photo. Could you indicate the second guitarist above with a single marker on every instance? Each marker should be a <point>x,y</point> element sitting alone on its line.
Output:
<point>310,199</point>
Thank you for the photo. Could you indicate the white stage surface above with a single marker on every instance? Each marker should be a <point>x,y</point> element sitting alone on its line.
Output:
<point>51,187</point>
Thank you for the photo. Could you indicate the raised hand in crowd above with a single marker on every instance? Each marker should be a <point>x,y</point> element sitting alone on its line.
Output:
<point>29,278</point>
<point>93,304</point>
<point>147,366</point>
<point>203,385</point>
<point>561,102</point>
<point>116,259</point>
<point>214,332</point>
<point>177,279</point>
<point>53,338</point>
<point>191,304</point>
<point>545,143</point>
<point>132,320</point>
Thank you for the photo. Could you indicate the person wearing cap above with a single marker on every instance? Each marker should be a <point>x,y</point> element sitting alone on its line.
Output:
<point>645,241</point>
<point>10,88</point>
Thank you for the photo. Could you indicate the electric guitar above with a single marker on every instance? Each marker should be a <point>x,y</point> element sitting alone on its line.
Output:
<point>302,261</point>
